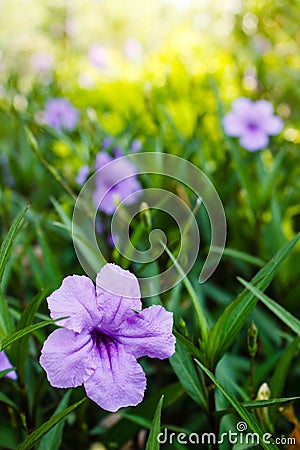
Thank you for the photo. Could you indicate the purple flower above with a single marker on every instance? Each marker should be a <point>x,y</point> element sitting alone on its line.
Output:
<point>106,143</point>
<point>136,145</point>
<point>82,175</point>
<point>6,364</point>
<point>103,336</point>
<point>116,182</point>
<point>252,122</point>
<point>60,114</point>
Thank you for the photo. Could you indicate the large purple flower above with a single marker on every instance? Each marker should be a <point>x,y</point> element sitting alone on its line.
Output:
<point>252,122</point>
<point>115,182</point>
<point>103,336</point>
<point>60,114</point>
<point>6,364</point>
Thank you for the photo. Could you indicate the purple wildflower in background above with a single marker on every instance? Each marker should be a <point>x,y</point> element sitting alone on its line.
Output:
<point>60,114</point>
<point>6,364</point>
<point>42,62</point>
<point>114,183</point>
<point>82,175</point>
<point>252,122</point>
<point>133,49</point>
<point>106,143</point>
<point>136,145</point>
<point>103,337</point>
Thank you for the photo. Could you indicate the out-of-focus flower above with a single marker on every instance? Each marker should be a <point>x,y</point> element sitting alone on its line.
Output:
<point>103,336</point>
<point>115,182</point>
<point>60,114</point>
<point>133,49</point>
<point>82,175</point>
<point>252,122</point>
<point>42,62</point>
<point>136,145</point>
<point>97,56</point>
<point>5,364</point>
<point>106,143</point>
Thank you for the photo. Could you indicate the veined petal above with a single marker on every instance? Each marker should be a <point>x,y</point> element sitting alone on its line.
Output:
<point>148,332</point>
<point>67,358</point>
<point>118,381</point>
<point>6,364</point>
<point>76,298</point>
<point>118,293</point>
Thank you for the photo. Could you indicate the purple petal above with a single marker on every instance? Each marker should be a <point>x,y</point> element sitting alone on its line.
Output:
<point>118,381</point>
<point>242,105</point>
<point>263,108</point>
<point>5,364</point>
<point>148,332</point>
<point>82,175</point>
<point>253,141</point>
<point>118,293</point>
<point>75,298</point>
<point>67,358</point>
<point>233,124</point>
<point>273,125</point>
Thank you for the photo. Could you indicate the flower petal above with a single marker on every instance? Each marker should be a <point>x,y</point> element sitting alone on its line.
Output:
<point>67,358</point>
<point>253,141</point>
<point>118,381</point>
<point>6,364</point>
<point>273,125</point>
<point>118,293</point>
<point>242,106</point>
<point>263,108</point>
<point>75,298</point>
<point>148,332</point>
<point>233,124</point>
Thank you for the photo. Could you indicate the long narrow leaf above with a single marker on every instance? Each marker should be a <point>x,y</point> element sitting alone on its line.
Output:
<point>32,438</point>
<point>292,322</point>
<point>8,241</point>
<point>240,409</point>
<point>224,332</point>
<point>152,443</point>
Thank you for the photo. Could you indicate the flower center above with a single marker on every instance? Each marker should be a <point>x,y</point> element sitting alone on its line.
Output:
<point>252,126</point>
<point>99,338</point>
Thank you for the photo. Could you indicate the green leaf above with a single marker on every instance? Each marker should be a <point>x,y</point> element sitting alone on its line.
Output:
<point>6,371</point>
<point>8,241</point>
<point>6,321</point>
<point>240,409</point>
<point>241,256</point>
<point>183,366</point>
<point>152,443</point>
<point>191,291</point>
<point>224,332</point>
<point>258,404</point>
<point>53,438</point>
<point>32,438</point>
<point>292,322</point>
<point>8,401</point>
<point>8,340</point>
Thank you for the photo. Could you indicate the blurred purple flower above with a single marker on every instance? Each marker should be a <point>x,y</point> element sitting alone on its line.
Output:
<point>82,175</point>
<point>60,114</point>
<point>42,62</point>
<point>97,56</point>
<point>103,336</point>
<point>136,145</point>
<point>106,143</point>
<point>6,364</point>
<point>252,122</point>
<point>114,183</point>
<point>133,49</point>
